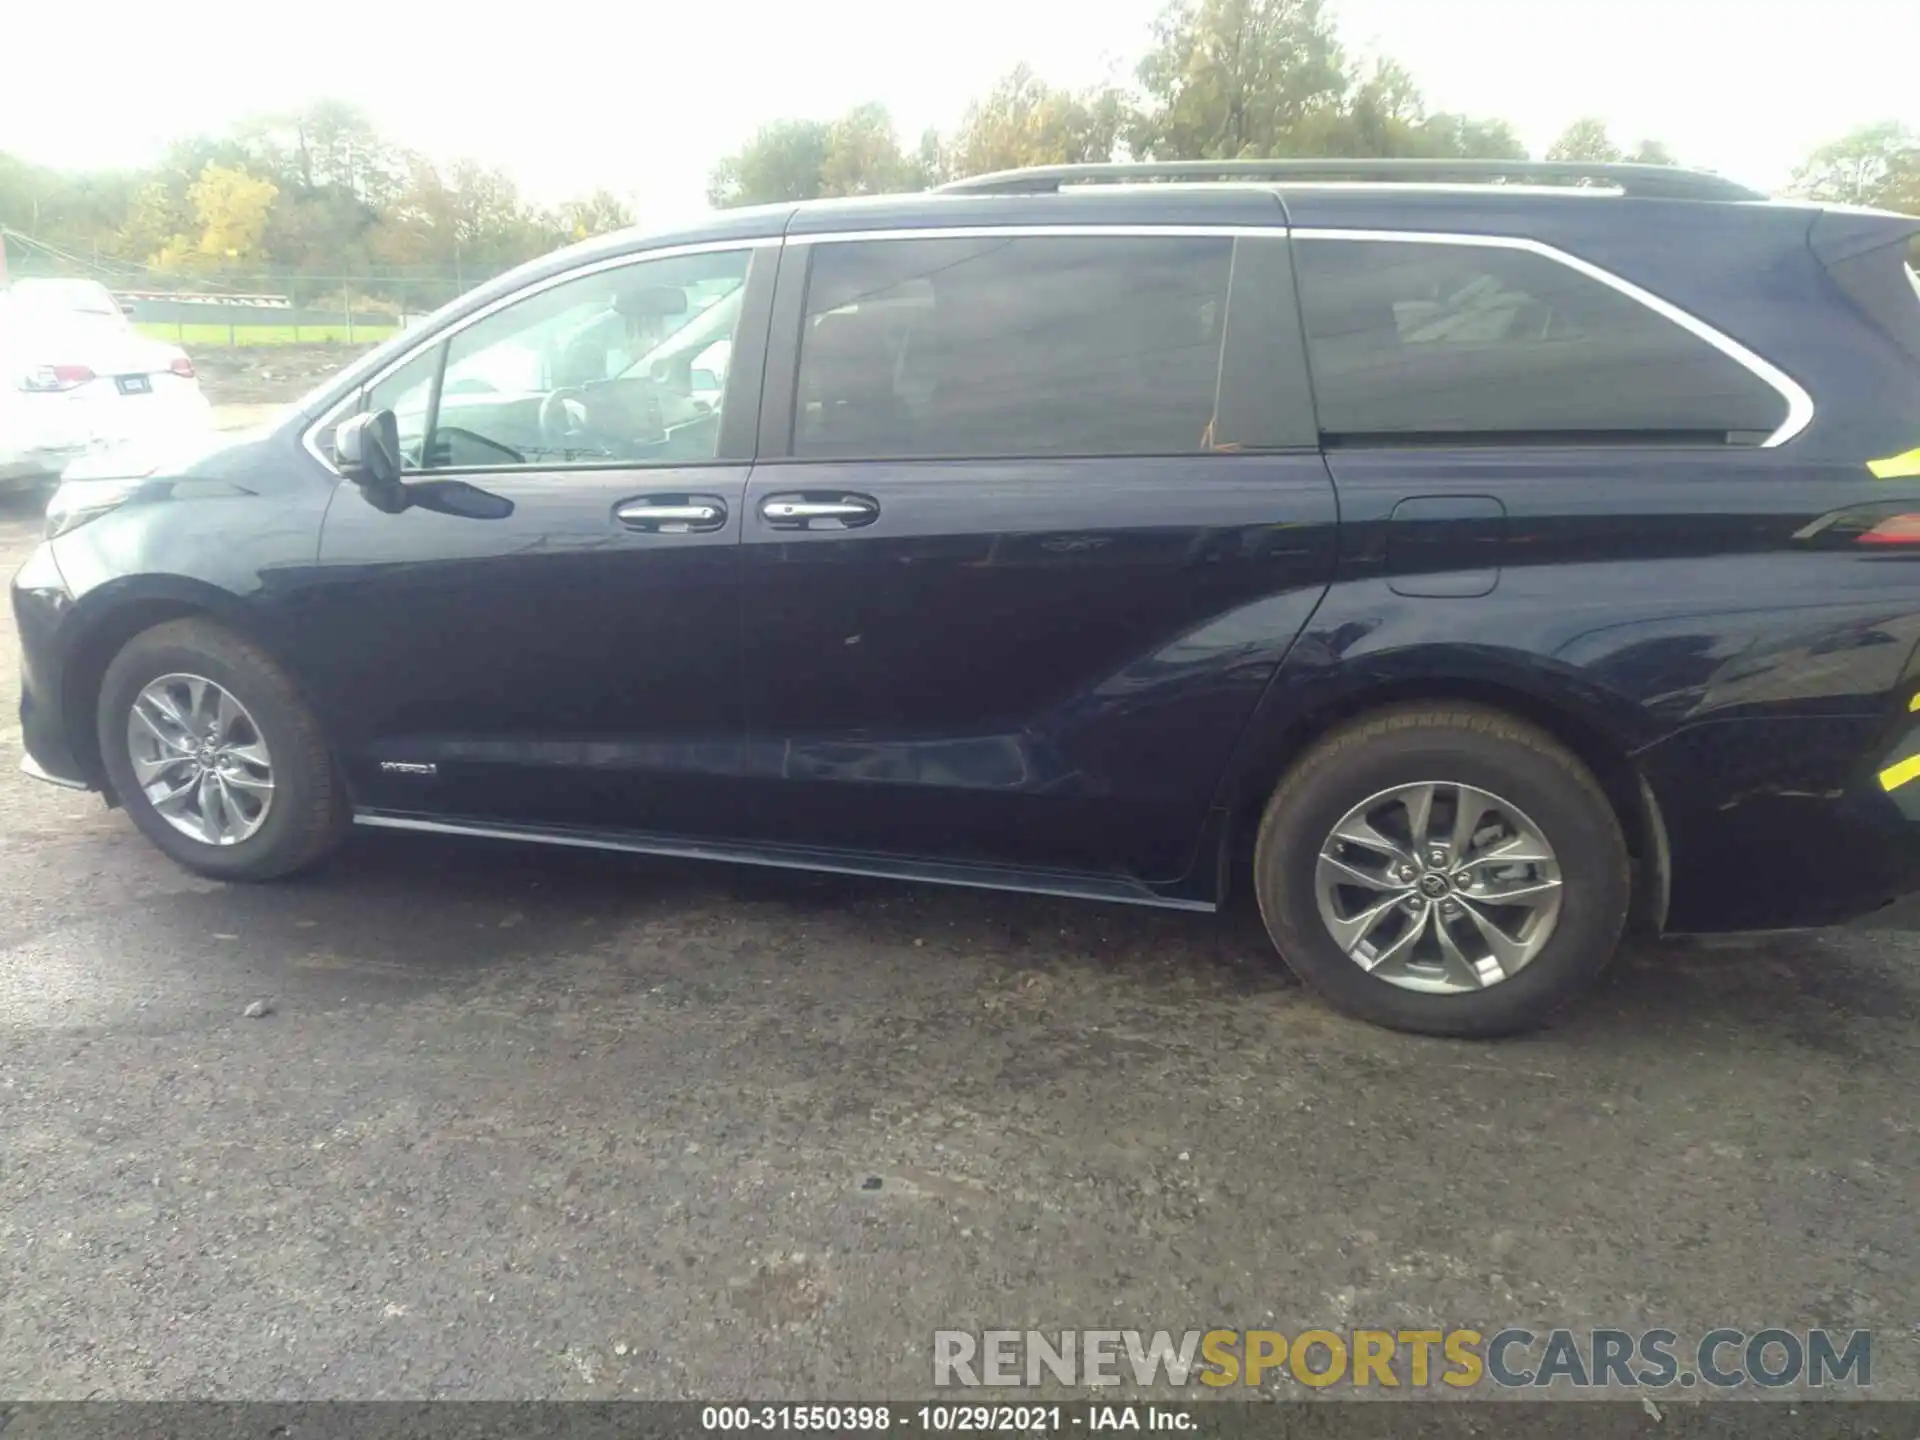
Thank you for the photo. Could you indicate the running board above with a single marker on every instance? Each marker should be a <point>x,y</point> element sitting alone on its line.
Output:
<point>1077,885</point>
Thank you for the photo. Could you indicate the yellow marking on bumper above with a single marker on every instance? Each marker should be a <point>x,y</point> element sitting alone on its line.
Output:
<point>1897,467</point>
<point>1894,776</point>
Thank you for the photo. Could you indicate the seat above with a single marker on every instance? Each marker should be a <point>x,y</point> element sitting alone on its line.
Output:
<point>849,405</point>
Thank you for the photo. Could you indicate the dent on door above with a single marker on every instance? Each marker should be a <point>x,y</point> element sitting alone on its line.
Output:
<point>1053,678</point>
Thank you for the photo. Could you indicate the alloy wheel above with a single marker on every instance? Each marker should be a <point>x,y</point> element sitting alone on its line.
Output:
<point>1438,887</point>
<point>200,759</point>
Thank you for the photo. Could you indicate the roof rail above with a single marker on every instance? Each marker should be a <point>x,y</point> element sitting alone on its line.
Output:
<point>1665,182</point>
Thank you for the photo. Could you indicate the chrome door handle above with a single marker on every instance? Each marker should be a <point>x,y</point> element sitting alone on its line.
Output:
<point>792,514</point>
<point>695,514</point>
<point>676,517</point>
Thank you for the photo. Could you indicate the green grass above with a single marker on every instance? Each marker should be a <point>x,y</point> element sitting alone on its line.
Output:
<point>254,335</point>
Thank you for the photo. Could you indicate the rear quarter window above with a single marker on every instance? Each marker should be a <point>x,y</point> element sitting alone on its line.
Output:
<point>1417,339</point>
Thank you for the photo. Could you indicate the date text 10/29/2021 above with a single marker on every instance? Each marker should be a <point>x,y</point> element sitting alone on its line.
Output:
<point>946,1419</point>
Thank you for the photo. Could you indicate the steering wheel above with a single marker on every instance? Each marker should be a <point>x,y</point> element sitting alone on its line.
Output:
<point>557,424</point>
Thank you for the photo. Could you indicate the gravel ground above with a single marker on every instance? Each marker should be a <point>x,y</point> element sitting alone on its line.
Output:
<point>536,1124</point>
<point>250,387</point>
<point>267,375</point>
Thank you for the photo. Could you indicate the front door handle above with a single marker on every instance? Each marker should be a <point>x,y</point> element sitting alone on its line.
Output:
<point>673,514</point>
<point>824,512</point>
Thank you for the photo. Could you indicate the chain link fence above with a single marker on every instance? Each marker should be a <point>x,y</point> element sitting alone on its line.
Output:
<point>255,308</point>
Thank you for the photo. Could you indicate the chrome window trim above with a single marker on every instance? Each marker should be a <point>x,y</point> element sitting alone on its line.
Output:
<point>336,412</point>
<point>1800,407</point>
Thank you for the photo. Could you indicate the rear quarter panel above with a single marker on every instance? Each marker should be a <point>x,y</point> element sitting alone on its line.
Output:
<point>1658,603</point>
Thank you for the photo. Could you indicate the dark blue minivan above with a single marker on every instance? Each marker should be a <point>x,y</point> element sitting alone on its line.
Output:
<point>1478,559</point>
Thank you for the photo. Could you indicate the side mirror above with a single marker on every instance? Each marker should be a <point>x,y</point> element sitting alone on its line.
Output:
<point>127,308</point>
<point>366,449</point>
<point>457,497</point>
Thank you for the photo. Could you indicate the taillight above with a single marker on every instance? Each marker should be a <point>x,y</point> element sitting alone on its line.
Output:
<point>183,367</point>
<point>1894,530</point>
<point>56,377</point>
<point>1884,524</point>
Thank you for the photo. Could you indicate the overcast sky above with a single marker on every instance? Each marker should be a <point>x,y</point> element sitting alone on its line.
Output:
<point>641,96</point>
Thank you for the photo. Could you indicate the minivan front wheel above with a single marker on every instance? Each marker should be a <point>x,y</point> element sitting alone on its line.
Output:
<point>215,755</point>
<point>1448,871</point>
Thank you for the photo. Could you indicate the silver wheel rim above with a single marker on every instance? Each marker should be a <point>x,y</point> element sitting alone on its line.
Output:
<point>1438,887</point>
<point>200,759</point>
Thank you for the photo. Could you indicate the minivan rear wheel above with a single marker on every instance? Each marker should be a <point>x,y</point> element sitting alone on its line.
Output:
<point>215,755</point>
<point>1443,870</point>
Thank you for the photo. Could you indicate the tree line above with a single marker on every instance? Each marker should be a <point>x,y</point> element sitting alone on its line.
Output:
<point>318,194</point>
<point>1227,80</point>
<point>321,193</point>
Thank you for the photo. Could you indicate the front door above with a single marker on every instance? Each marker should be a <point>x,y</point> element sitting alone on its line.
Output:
<point>1015,575</point>
<point>549,631</point>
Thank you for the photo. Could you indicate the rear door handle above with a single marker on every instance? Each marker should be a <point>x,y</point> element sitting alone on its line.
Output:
<point>821,512</point>
<point>673,514</point>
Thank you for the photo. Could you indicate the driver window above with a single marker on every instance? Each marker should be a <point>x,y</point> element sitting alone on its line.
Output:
<point>597,370</point>
<point>407,392</point>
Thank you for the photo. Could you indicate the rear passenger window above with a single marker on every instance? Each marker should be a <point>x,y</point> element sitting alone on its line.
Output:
<point>1054,345</point>
<point>1415,339</point>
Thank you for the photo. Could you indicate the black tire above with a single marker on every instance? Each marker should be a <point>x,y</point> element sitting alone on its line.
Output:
<point>1463,745</point>
<point>309,810</point>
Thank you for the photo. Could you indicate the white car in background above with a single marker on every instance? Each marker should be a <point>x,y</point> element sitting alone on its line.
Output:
<point>76,378</point>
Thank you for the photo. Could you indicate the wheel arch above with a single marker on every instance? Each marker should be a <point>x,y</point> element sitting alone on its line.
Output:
<point>1599,737</point>
<point>105,625</point>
